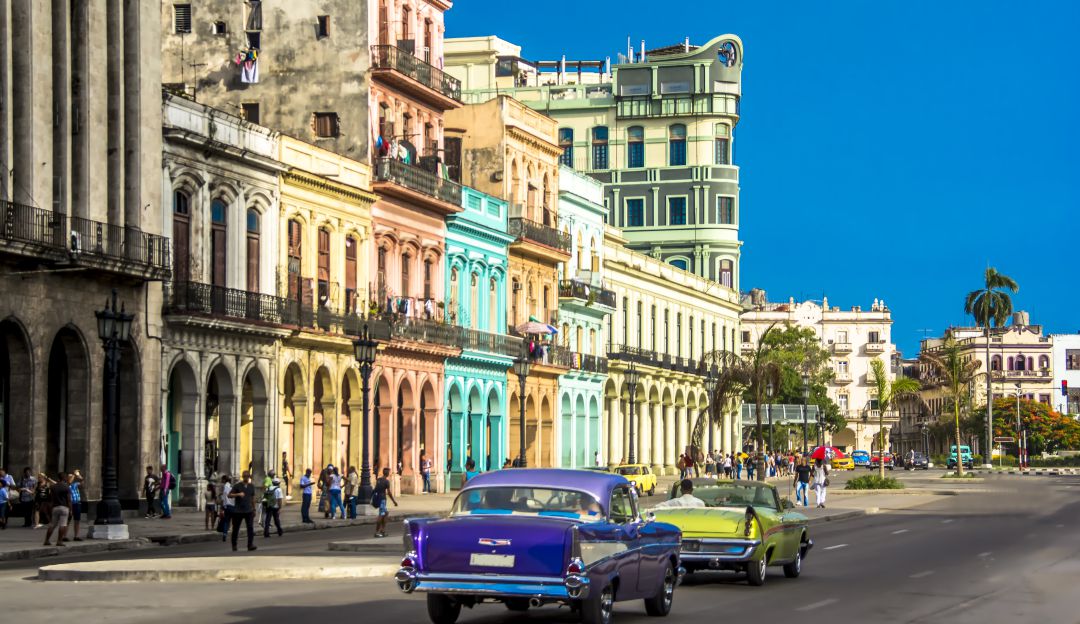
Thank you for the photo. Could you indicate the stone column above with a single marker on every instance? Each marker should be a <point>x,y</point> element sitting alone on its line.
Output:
<point>641,436</point>
<point>614,425</point>
<point>477,439</point>
<point>192,443</point>
<point>457,441</point>
<point>682,428</point>
<point>669,439</point>
<point>657,438</point>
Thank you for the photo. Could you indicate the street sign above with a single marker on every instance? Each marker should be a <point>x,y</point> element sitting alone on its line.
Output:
<point>1004,439</point>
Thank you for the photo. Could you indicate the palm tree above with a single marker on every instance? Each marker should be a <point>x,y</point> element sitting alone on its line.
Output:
<point>948,361</point>
<point>990,304</point>
<point>762,372</point>
<point>731,379</point>
<point>888,392</point>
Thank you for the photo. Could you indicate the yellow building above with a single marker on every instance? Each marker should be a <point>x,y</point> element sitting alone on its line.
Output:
<point>508,150</point>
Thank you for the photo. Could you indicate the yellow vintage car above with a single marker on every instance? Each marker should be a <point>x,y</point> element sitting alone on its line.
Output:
<point>744,527</point>
<point>643,478</point>
<point>843,463</point>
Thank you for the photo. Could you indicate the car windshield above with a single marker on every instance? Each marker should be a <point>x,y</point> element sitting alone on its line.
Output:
<point>526,501</point>
<point>628,470</point>
<point>735,495</point>
<point>860,454</point>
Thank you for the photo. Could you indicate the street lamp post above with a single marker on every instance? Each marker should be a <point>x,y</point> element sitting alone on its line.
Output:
<point>711,382</point>
<point>805,403</point>
<point>632,376</point>
<point>1021,434</point>
<point>114,329</point>
<point>521,369</point>
<point>926,440</point>
<point>364,350</point>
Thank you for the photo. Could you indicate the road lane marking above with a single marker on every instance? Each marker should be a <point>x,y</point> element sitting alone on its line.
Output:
<point>921,574</point>
<point>900,531</point>
<point>1059,526</point>
<point>817,605</point>
<point>946,521</point>
<point>835,547</point>
<point>984,554</point>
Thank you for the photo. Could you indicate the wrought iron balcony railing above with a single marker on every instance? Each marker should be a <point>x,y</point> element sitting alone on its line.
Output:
<point>36,226</point>
<point>589,363</point>
<point>416,179</point>
<point>120,243</point>
<point>591,294</point>
<point>488,342</point>
<point>393,57</point>
<point>527,229</point>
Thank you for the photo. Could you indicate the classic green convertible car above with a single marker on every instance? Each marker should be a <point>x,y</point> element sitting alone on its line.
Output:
<point>745,526</point>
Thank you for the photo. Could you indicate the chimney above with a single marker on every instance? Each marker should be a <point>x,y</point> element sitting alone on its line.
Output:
<point>686,45</point>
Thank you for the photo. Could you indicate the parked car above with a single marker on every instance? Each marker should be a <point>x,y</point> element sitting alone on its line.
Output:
<point>918,461</point>
<point>861,458</point>
<point>965,455</point>
<point>532,537</point>
<point>875,460</point>
<point>843,463</point>
<point>744,527</point>
<point>643,478</point>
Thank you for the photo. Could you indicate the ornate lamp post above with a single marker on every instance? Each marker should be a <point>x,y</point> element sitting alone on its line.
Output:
<point>768,407</point>
<point>114,329</point>
<point>711,382</point>
<point>364,350</point>
<point>632,377</point>
<point>521,369</point>
<point>805,402</point>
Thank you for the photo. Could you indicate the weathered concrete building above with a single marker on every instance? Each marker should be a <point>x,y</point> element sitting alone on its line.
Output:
<point>80,152</point>
<point>299,67</point>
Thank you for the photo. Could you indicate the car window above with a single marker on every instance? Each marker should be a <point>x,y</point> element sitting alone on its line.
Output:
<point>628,470</point>
<point>517,500</point>
<point>622,507</point>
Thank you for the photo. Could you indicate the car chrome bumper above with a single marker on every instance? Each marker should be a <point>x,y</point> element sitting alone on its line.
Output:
<point>720,551</point>
<point>555,588</point>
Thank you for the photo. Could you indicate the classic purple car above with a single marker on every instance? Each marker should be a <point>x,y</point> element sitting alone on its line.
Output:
<point>530,537</point>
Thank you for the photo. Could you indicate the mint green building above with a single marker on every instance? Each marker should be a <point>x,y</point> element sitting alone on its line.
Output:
<point>476,281</point>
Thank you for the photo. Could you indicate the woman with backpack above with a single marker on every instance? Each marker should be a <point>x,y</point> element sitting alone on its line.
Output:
<point>272,498</point>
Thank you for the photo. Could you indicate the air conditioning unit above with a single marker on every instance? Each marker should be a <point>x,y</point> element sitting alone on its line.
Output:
<point>76,244</point>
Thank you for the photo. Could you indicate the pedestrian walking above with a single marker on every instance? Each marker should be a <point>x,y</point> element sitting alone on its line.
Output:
<point>378,500</point>
<point>74,481</point>
<point>42,500</point>
<point>27,485</point>
<point>821,482</point>
<point>738,466</point>
<point>334,480</point>
<point>425,471</point>
<point>243,496</point>
<point>9,497</point>
<point>272,501</point>
<point>802,482</point>
<point>150,488</point>
<point>210,496</point>
<point>59,508</point>
<point>166,484</point>
<point>727,466</point>
<point>750,461</point>
<point>306,484</point>
<point>352,489</point>
<point>227,506</point>
<point>286,474</point>
<point>324,491</point>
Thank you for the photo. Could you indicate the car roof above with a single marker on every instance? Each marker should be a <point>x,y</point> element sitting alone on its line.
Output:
<point>598,484</point>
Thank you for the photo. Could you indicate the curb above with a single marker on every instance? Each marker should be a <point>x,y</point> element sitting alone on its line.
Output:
<point>39,552</point>
<point>844,515</point>
<point>201,569</point>
<point>1038,472</point>
<point>904,492</point>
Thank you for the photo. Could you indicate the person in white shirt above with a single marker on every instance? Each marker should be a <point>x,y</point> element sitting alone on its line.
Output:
<point>227,505</point>
<point>821,481</point>
<point>686,500</point>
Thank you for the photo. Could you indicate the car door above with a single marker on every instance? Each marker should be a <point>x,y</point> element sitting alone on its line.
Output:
<point>792,532</point>
<point>624,516</point>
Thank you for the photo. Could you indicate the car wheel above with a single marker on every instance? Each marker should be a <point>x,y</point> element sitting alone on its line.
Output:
<point>652,492</point>
<point>598,609</point>
<point>442,609</point>
<point>794,569</point>
<point>755,572</point>
<point>517,604</point>
<point>660,604</point>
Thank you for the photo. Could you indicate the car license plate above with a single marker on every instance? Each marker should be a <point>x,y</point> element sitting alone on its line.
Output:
<point>491,561</point>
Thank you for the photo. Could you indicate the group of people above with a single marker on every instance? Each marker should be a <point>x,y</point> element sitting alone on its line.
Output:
<point>735,465</point>
<point>43,502</point>
<point>157,490</point>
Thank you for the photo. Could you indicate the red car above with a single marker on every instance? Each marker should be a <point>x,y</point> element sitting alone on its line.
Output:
<point>875,460</point>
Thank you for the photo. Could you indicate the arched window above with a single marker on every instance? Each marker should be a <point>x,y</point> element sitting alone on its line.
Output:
<point>635,147</point>
<point>218,239</point>
<point>452,308</point>
<point>351,250</point>
<point>380,274</point>
<point>995,363</point>
<point>1012,363</point>
<point>600,147</point>
<point>295,251</point>
<point>722,145</point>
<point>677,145</point>
<point>727,270</point>
<point>406,261</point>
<point>252,250</point>
<point>1044,362</point>
<point>181,236</point>
<point>324,267</point>
<point>429,270</point>
<point>581,264</point>
<point>566,144</point>
<point>1021,363</point>
<point>679,263</point>
<point>493,305</point>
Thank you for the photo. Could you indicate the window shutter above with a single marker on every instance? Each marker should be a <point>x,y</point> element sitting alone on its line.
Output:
<point>181,18</point>
<point>253,263</point>
<point>218,244</point>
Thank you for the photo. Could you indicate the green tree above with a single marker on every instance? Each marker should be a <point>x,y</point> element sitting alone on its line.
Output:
<point>1047,430</point>
<point>957,374</point>
<point>797,351</point>
<point>731,379</point>
<point>888,392</point>
<point>991,305</point>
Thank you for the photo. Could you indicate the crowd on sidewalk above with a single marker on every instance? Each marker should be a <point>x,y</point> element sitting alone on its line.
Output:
<point>808,473</point>
<point>44,502</point>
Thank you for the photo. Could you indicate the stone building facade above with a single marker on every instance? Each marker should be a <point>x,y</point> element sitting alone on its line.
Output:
<point>853,337</point>
<point>80,146</point>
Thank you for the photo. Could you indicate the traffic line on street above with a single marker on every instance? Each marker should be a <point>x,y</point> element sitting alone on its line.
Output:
<point>835,547</point>
<point>946,521</point>
<point>817,605</point>
<point>923,574</point>
<point>984,554</point>
<point>898,532</point>
<point>1059,526</point>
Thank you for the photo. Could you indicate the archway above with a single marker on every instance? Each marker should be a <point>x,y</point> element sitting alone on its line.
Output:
<point>582,442</point>
<point>475,448</point>
<point>455,406</point>
<point>322,419</point>
<point>350,421</point>
<point>405,430</point>
<point>566,428</point>
<point>16,388</point>
<point>254,432</point>
<point>496,430</point>
<point>597,446</point>
<point>380,437</point>
<point>844,440</point>
<point>292,435</point>
<point>429,412</point>
<point>181,428</point>
<point>221,453</point>
<point>532,428</point>
<point>68,418</point>
<point>547,437</point>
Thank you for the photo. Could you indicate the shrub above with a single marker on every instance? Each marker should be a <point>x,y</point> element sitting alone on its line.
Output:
<point>873,482</point>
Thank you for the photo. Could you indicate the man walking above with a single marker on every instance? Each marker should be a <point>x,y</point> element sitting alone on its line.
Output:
<point>352,488</point>
<point>286,474</point>
<point>150,492</point>
<point>378,499</point>
<point>75,484</point>
<point>802,482</point>
<point>26,496</point>
<point>227,506</point>
<point>243,496</point>
<point>821,481</point>
<point>167,483</point>
<point>272,507</point>
<point>306,484</point>
<point>60,498</point>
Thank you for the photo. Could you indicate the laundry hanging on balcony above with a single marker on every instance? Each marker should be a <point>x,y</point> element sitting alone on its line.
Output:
<point>248,61</point>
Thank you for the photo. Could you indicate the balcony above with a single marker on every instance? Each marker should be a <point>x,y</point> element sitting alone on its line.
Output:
<point>646,106</point>
<point>842,378</point>
<point>573,289</point>
<point>400,69</point>
<point>426,331</point>
<point>999,375</point>
<point>841,347</point>
<point>487,342</point>
<point>413,184</point>
<point>875,347</point>
<point>646,357</point>
<point>589,363</point>
<point>539,240</point>
<point>747,347</point>
<point>31,231</point>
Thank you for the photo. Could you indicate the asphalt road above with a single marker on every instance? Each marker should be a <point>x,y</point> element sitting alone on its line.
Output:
<point>1010,556</point>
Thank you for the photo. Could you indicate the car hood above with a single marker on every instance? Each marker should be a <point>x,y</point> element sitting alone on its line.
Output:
<point>540,546</point>
<point>705,521</point>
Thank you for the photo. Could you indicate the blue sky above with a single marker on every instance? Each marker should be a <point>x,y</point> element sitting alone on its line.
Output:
<point>888,149</point>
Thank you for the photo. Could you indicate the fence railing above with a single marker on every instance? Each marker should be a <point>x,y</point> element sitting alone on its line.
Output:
<point>416,179</point>
<point>120,243</point>
<point>591,294</point>
<point>521,227</point>
<point>393,57</point>
<point>647,357</point>
<point>488,342</point>
<point>30,224</point>
<point>589,363</point>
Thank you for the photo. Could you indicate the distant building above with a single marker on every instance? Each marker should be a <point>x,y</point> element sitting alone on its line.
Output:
<point>854,337</point>
<point>1066,363</point>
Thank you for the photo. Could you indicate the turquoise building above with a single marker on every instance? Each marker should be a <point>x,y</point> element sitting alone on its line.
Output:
<point>584,305</point>
<point>476,283</point>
